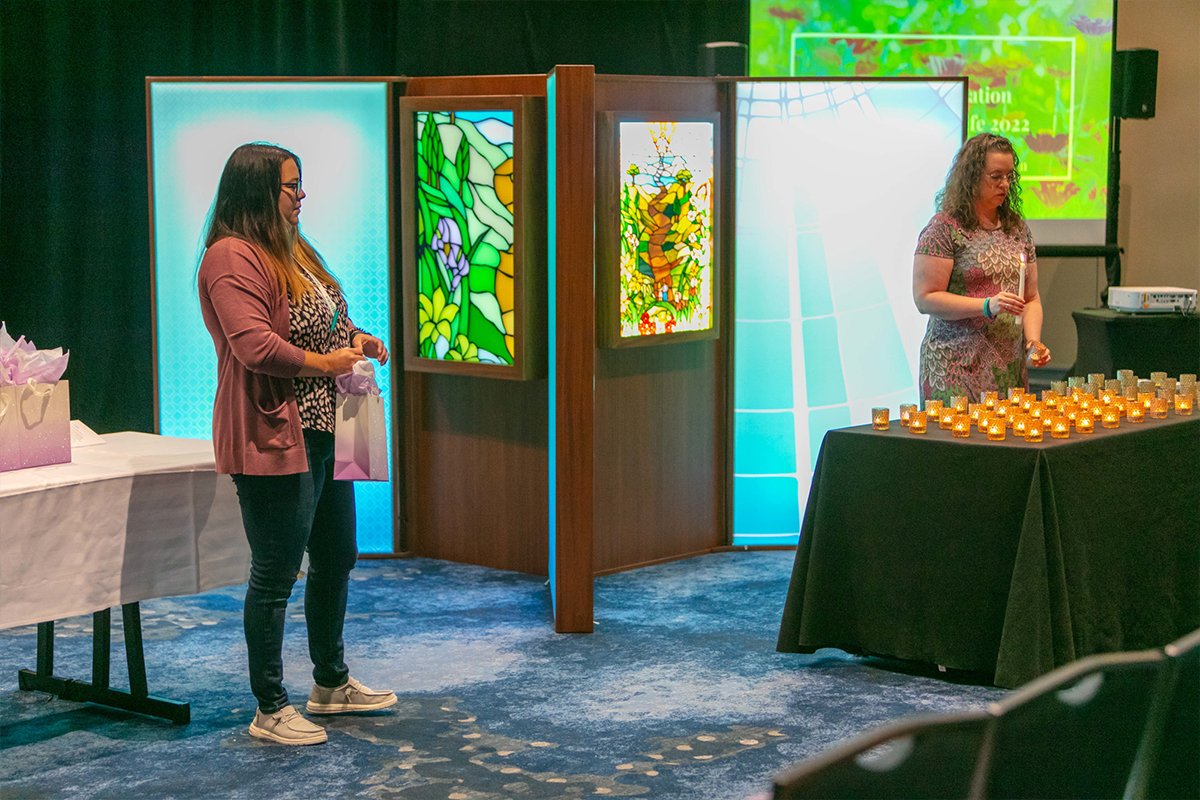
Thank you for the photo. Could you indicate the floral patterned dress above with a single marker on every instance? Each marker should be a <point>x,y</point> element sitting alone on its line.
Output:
<point>974,355</point>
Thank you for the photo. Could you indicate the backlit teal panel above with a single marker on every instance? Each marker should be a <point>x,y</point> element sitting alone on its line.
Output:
<point>820,422</point>
<point>552,327</point>
<point>769,507</point>
<point>764,354</point>
<point>339,131</point>
<point>835,179</point>
<point>766,442</point>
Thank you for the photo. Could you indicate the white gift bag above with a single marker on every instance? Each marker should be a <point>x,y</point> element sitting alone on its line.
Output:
<point>360,434</point>
<point>35,425</point>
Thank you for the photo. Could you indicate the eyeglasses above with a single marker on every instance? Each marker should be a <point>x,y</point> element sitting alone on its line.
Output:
<point>295,187</point>
<point>997,177</point>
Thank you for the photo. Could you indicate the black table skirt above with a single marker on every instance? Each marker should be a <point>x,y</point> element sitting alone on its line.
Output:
<point>1111,340</point>
<point>1007,558</point>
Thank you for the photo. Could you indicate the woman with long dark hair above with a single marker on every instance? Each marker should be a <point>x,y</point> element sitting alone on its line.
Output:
<point>280,326</point>
<point>983,329</point>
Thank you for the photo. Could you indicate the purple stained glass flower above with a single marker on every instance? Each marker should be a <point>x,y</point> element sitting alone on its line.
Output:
<point>1091,26</point>
<point>447,247</point>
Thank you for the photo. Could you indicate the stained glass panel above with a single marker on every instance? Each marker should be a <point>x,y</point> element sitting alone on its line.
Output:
<point>666,207</point>
<point>464,243</point>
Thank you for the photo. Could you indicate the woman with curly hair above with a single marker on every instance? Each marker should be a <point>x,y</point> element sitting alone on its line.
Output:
<point>966,276</point>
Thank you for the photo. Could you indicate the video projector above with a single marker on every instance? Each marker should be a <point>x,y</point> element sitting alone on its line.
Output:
<point>1146,299</point>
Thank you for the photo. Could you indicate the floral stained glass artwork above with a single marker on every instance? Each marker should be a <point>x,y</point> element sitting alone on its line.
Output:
<point>464,242</point>
<point>666,207</point>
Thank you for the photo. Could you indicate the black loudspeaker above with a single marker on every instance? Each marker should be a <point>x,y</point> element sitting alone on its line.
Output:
<point>1134,83</point>
<point>731,59</point>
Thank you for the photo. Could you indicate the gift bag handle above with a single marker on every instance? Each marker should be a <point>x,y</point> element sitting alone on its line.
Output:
<point>5,402</point>
<point>32,385</point>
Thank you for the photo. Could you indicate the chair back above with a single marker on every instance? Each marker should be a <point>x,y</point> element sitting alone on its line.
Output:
<point>1168,760</point>
<point>1074,732</point>
<point>916,757</point>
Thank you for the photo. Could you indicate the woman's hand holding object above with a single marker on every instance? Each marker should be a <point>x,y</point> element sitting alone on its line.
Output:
<point>1006,303</point>
<point>1039,354</point>
<point>372,347</point>
<point>339,362</point>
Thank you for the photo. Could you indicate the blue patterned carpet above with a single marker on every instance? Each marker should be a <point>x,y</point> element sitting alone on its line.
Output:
<point>678,694</point>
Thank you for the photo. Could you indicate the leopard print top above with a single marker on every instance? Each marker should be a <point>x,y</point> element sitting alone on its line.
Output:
<point>313,327</point>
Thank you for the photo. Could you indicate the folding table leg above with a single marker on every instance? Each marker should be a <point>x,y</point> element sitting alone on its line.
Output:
<point>138,697</point>
<point>131,612</point>
<point>101,627</point>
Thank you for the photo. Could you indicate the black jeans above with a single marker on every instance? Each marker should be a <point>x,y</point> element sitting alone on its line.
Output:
<point>283,515</point>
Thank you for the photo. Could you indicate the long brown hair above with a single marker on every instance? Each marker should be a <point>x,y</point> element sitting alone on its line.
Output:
<point>963,182</point>
<point>247,208</point>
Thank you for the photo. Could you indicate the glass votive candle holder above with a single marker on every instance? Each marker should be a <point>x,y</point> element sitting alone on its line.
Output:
<point>1085,423</point>
<point>1015,394</point>
<point>1113,386</point>
<point>1096,378</point>
<point>1158,407</point>
<point>1033,431</point>
<point>1069,410</point>
<point>1058,387</point>
<point>934,409</point>
<point>1019,424</point>
<point>1134,412</point>
<point>961,426</point>
<point>1060,427</point>
<point>1187,383</point>
<point>1111,418</point>
<point>974,410</point>
<point>946,419</point>
<point>1145,399</point>
<point>1106,396</point>
<point>1144,386</point>
<point>1157,377</point>
<point>879,419</point>
<point>1036,413</point>
<point>1169,388</point>
<point>1097,410</point>
<point>906,410</point>
<point>1183,405</point>
<point>1130,390</point>
<point>983,421</point>
<point>917,420</point>
<point>1001,410</point>
<point>1074,381</point>
<point>1124,375</point>
<point>960,403</point>
<point>990,399</point>
<point>1089,389</point>
<point>1027,400</point>
<point>996,429</point>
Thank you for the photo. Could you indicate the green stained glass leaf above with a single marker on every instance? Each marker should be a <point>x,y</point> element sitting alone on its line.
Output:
<point>484,254</point>
<point>486,336</point>
<point>483,279</point>
<point>489,307</point>
<point>450,193</point>
<point>462,161</point>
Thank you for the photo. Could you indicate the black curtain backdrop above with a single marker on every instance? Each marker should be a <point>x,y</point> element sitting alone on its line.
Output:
<point>74,209</point>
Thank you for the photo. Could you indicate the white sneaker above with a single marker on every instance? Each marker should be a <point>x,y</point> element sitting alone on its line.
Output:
<point>286,726</point>
<point>351,696</point>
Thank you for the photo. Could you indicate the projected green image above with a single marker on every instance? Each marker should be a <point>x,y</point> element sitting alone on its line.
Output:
<point>1038,71</point>
<point>464,188</point>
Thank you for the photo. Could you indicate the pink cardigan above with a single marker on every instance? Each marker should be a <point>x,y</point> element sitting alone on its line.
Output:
<point>256,422</point>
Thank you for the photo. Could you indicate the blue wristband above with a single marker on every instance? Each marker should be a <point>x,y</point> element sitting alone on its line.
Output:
<point>986,315</point>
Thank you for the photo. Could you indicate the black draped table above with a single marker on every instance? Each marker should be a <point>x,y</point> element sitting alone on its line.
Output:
<point>1109,340</point>
<point>1009,558</point>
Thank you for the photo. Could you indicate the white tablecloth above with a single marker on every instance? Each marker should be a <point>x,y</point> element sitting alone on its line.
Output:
<point>137,517</point>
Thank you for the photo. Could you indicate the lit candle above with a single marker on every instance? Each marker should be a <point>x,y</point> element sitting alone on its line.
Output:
<point>933,408</point>
<point>1027,400</point>
<point>906,410</point>
<point>1019,424</point>
<point>1084,423</point>
<point>1060,427</point>
<point>1134,412</point>
<point>962,426</point>
<point>960,403</point>
<point>917,421</point>
<point>1145,398</point>
<point>1021,286</point>
<point>983,421</point>
<point>1015,394</point>
<point>996,429</point>
<point>1111,418</point>
<point>1033,432</point>
<point>946,419</point>
<point>1183,405</point>
<point>1158,407</point>
<point>879,419</point>
<point>974,410</point>
<point>990,399</point>
<point>1106,396</point>
<point>1098,411</point>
